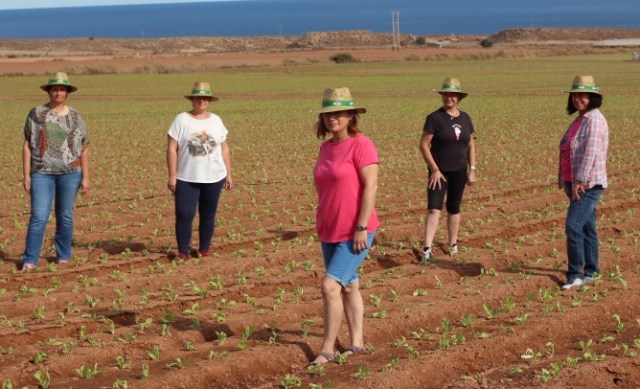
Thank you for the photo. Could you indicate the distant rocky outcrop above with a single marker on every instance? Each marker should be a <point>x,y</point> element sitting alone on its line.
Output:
<point>567,35</point>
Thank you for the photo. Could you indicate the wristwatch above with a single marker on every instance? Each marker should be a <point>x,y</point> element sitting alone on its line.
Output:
<point>360,227</point>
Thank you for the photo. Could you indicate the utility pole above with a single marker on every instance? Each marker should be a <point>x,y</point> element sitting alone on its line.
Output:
<point>395,28</point>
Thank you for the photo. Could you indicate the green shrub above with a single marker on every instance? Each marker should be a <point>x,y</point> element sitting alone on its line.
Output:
<point>486,43</point>
<point>343,58</point>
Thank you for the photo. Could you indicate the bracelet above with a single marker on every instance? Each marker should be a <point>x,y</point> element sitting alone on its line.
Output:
<point>472,167</point>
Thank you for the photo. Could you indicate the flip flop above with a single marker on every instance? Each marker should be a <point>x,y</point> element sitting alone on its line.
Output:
<point>327,356</point>
<point>355,350</point>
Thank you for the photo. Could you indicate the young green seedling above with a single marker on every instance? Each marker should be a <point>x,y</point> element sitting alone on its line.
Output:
<point>154,353</point>
<point>305,325</point>
<point>177,363</point>
<point>145,372</point>
<point>40,357</point>
<point>362,373</point>
<point>88,372</point>
<point>291,381</point>
<point>222,337</point>
<point>43,377</point>
<point>317,370</point>
<point>122,363</point>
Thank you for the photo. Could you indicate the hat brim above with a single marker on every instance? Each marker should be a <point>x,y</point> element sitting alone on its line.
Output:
<point>338,108</point>
<point>213,98</point>
<point>70,87</point>
<point>582,91</point>
<point>462,94</point>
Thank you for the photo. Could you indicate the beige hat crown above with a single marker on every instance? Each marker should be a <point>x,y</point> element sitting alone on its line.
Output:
<point>339,99</point>
<point>584,84</point>
<point>452,85</point>
<point>59,78</point>
<point>201,89</point>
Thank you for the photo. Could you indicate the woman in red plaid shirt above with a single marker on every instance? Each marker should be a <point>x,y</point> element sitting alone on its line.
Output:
<point>583,176</point>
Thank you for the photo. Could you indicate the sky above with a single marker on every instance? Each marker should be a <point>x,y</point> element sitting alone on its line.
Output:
<point>22,4</point>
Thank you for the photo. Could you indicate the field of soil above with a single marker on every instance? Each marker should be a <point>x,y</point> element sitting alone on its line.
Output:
<point>127,313</point>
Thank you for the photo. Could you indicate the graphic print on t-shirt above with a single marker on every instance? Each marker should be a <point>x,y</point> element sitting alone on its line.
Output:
<point>201,144</point>
<point>457,130</point>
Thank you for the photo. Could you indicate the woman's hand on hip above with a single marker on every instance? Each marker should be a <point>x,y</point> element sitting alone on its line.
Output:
<point>359,241</point>
<point>435,180</point>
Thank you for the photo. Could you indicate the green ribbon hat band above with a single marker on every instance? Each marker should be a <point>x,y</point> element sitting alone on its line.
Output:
<point>584,87</point>
<point>337,103</point>
<point>58,81</point>
<point>450,86</point>
<point>201,92</point>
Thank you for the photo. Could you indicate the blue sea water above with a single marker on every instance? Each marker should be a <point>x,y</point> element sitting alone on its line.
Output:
<point>297,17</point>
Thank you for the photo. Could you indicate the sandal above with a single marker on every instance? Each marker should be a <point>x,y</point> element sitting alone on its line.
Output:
<point>355,350</point>
<point>327,356</point>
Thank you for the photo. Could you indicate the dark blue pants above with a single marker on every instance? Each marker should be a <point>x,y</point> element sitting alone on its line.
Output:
<point>188,197</point>
<point>582,236</point>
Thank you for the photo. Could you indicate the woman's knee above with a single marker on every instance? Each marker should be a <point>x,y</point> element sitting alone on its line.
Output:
<point>352,288</point>
<point>330,287</point>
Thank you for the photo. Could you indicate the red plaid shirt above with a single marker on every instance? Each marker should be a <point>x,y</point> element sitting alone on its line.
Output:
<point>589,150</point>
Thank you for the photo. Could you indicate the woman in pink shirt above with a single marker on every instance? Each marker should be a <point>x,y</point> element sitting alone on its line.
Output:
<point>582,174</point>
<point>346,180</point>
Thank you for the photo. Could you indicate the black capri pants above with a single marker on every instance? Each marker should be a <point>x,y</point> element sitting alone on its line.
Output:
<point>453,188</point>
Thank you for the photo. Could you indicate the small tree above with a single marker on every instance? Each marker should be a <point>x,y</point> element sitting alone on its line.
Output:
<point>486,43</point>
<point>343,58</point>
<point>421,40</point>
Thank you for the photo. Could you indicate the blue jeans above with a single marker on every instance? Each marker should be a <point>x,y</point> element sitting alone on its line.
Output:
<point>582,237</point>
<point>44,187</point>
<point>342,262</point>
<point>188,197</point>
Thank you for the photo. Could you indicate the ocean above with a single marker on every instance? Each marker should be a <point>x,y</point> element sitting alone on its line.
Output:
<point>297,17</point>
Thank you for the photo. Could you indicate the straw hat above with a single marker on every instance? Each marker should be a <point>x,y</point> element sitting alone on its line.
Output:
<point>201,89</point>
<point>584,84</point>
<point>452,85</point>
<point>338,99</point>
<point>59,78</point>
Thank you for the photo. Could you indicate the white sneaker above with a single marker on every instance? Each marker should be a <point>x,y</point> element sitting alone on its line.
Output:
<point>426,255</point>
<point>576,282</point>
<point>453,250</point>
<point>587,280</point>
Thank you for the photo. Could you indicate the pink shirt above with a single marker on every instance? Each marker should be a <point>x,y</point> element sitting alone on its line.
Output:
<point>565,150</point>
<point>340,189</point>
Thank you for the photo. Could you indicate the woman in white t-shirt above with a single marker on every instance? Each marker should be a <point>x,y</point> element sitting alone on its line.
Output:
<point>199,165</point>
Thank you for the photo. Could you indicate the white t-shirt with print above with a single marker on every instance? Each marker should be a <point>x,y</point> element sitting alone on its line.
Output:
<point>199,148</point>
